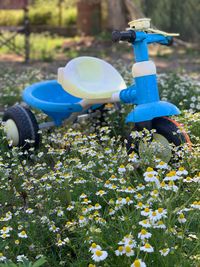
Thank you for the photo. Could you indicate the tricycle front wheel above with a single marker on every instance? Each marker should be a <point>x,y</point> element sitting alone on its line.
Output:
<point>167,132</point>
<point>20,126</point>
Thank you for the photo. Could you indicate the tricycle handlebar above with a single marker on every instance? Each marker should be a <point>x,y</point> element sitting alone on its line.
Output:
<point>128,36</point>
<point>134,36</point>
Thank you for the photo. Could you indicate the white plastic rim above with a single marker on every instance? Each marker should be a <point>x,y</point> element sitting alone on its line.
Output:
<point>11,131</point>
<point>160,147</point>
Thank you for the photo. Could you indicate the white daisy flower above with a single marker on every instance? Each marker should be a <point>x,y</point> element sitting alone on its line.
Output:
<point>5,230</point>
<point>60,243</point>
<point>22,234</point>
<point>83,195</point>
<point>2,257</point>
<point>129,190</point>
<point>121,201</point>
<point>101,193</point>
<point>164,252</point>
<point>146,212</point>
<point>20,258</point>
<point>128,251</point>
<point>171,176</point>
<point>144,234</point>
<point>145,224</point>
<point>82,220</point>
<point>139,205</point>
<point>97,206</point>
<point>4,236</point>
<point>70,207</point>
<point>128,200</point>
<point>94,247</point>
<point>133,157</point>
<point>159,225</point>
<point>181,171</point>
<point>181,218</point>
<point>119,251</point>
<point>138,263</point>
<point>196,205</point>
<point>150,170</point>
<point>162,165</point>
<point>99,255</point>
<point>147,248</point>
<point>29,211</point>
<point>121,169</point>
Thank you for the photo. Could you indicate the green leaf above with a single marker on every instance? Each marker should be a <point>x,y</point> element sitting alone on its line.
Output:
<point>39,262</point>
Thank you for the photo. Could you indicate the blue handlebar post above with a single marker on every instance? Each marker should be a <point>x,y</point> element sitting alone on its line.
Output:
<point>140,45</point>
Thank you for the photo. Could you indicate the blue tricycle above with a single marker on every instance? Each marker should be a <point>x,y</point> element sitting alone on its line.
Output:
<point>89,82</point>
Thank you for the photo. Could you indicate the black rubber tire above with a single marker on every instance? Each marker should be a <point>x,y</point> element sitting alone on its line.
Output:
<point>169,130</point>
<point>26,124</point>
<point>163,126</point>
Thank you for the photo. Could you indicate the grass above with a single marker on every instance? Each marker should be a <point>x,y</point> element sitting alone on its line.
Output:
<point>42,14</point>
<point>81,195</point>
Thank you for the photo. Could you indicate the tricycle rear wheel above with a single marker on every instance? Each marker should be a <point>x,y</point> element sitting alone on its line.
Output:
<point>21,125</point>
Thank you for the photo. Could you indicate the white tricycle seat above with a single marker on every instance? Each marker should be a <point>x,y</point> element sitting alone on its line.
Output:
<point>90,78</point>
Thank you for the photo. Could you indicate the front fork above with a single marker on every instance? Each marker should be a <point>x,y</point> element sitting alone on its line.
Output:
<point>145,95</point>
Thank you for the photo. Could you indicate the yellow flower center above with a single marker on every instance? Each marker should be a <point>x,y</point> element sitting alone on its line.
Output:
<point>128,249</point>
<point>137,263</point>
<point>128,199</point>
<point>146,209</point>
<point>94,245</point>
<point>162,184</point>
<point>160,210</point>
<point>81,218</point>
<point>143,232</point>
<point>181,216</point>
<point>23,233</point>
<point>160,222</point>
<point>1,254</point>
<point>150,175</point>
<point>4,228</point>
<point>155,192</point>
<point>120,248</point>
<point>149,169</point>
<point>99,253</point>
<point>140,204</point>
<point>147,245</point>
<point>161,163</point>
<point>181,169</point>
<point>154,213</point>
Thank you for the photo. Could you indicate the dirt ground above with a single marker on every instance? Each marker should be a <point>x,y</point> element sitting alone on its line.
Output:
<point>166,59</point>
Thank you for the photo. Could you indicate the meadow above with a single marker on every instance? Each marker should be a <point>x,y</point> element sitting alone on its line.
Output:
<point>81,200</point>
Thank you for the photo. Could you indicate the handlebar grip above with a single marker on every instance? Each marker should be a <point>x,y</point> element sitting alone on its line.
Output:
<point>128,36</point>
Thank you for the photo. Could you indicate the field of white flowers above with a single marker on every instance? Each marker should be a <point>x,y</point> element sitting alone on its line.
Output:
<point>80,200</point>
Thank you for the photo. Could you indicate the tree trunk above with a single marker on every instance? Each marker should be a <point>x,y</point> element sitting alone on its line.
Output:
<point>89,17</point>
<point>117,15</point>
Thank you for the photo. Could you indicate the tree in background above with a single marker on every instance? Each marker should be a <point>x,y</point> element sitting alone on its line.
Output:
<point>175,16</point>
<point>89,16</point>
